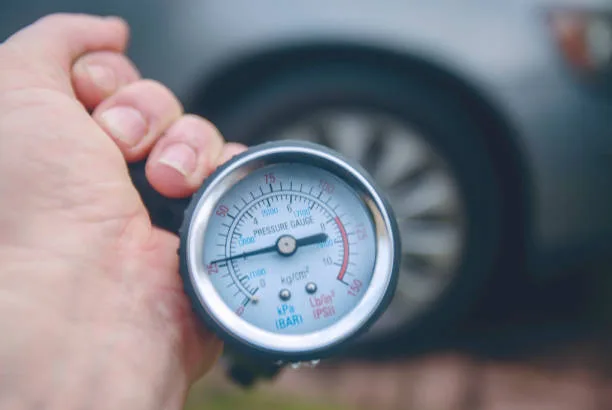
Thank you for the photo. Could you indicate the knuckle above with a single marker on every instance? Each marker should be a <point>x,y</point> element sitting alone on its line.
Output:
<point>211,131</point>
<point>154,86</point>
<point>157,90</point>
<point>197,132</point>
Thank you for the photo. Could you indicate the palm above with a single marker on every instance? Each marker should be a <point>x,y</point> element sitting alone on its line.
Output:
<point>93,204</point>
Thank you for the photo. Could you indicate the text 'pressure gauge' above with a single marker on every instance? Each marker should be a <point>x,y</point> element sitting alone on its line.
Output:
<point>289,251</point>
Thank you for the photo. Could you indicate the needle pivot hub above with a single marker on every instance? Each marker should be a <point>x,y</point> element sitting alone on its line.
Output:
<point>286,245</point>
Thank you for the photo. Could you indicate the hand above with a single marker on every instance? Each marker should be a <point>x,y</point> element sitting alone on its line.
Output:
<point>92,311</point>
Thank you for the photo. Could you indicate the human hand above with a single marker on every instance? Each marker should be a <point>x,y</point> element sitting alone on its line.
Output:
<point>92,310</point>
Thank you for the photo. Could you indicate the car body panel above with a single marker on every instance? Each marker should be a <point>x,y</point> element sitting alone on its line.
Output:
<point>503,50</point>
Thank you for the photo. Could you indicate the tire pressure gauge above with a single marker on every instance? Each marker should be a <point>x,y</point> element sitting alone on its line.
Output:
<point>288,252</point>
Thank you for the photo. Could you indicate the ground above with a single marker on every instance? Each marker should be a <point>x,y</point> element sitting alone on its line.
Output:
<point>577,379</point>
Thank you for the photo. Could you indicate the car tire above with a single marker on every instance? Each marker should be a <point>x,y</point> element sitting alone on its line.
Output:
<point>448,128</point>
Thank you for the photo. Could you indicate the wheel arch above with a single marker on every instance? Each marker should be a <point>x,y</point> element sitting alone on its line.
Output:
<point>239,78</point>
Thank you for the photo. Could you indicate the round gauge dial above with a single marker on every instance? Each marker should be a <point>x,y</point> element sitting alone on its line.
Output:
<point>289,251</point>
<point>294,240</point>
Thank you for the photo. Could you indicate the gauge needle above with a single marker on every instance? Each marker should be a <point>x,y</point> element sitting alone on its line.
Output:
<point>311,240</point>
<point>286,245</point>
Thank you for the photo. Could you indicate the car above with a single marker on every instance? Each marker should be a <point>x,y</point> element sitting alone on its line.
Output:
<point>487,123</point>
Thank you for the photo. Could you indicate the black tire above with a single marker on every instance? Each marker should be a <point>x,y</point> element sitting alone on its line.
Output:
<point>436,114</point>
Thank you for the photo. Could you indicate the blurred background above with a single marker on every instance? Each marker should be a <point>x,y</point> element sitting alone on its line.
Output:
<point>489,125</point>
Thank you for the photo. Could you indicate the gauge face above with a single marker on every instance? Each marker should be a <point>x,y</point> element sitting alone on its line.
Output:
<point>290,248</point>
<point>289,251</point>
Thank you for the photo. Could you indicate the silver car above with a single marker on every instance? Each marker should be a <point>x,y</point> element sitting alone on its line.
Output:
<point>488,123</point>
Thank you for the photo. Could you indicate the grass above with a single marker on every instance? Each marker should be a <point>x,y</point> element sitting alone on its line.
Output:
<point>255,400</point>
<point>216,392</point>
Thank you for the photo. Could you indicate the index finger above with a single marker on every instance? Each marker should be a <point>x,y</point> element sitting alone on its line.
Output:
<point>62,38</point>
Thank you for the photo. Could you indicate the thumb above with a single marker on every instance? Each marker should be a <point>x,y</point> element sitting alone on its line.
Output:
<point>51,45</point>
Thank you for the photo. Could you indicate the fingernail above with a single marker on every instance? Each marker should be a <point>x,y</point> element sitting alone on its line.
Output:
<point>181,157</point>
<point>103,77</point>
<point>126,124</point>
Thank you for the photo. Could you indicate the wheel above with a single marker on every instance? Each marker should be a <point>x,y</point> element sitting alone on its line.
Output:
<point>427,155</point>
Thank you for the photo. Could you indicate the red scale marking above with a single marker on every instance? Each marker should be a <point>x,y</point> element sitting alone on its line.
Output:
<point>346,249</point>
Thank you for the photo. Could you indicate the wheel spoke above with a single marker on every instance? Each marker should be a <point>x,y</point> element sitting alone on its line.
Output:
<point>433,195</point>
<point>303,132</point>
<point>418,288</point>
<point>402,155</point>
<point>437,243</point>
<point>350,134</point>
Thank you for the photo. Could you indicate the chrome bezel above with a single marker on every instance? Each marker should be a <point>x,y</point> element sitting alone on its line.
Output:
<point>238,328</point>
